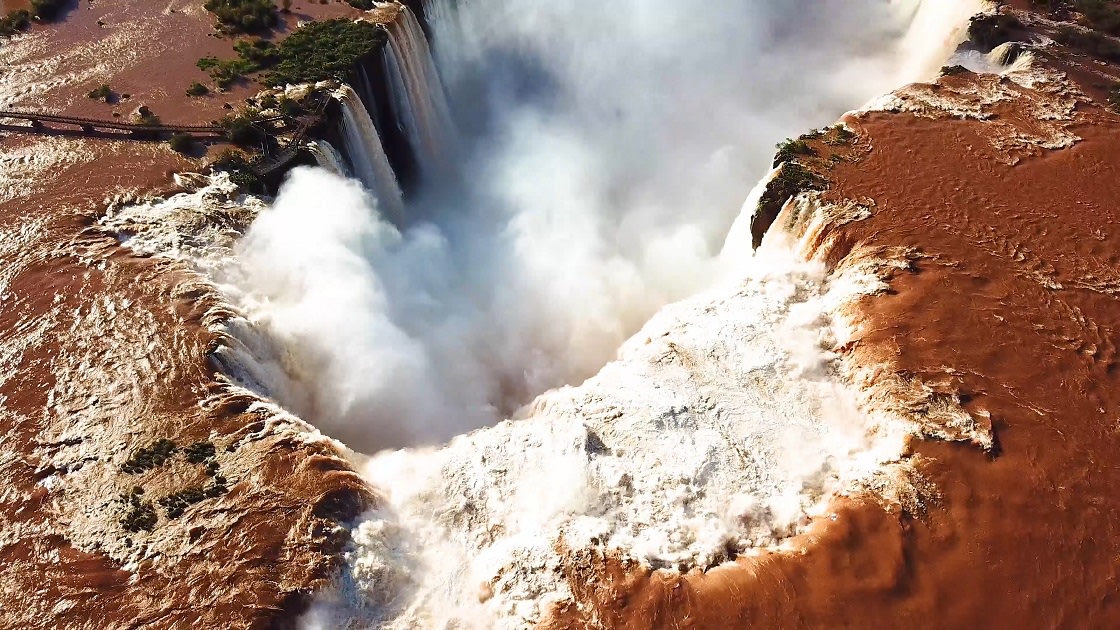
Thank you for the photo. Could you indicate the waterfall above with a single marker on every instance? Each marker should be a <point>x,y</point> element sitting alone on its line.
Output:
<point>419,100</point>
<point>367,156</point>
<point>369,97</point>
<point>328,157</point>
<point>442,23</point>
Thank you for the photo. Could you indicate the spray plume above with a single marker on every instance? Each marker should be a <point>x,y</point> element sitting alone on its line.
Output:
<point>606,151</point>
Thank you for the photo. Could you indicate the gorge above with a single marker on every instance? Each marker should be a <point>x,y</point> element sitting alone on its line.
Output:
<point>517,354</point>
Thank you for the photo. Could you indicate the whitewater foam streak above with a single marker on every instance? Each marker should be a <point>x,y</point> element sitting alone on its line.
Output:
<point>721,428</point>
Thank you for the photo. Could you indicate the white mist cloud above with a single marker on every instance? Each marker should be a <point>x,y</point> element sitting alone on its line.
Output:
<point>608,148</point>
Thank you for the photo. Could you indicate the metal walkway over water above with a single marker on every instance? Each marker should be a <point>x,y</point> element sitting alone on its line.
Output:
<point>268,163</point>
<point>38,120</point>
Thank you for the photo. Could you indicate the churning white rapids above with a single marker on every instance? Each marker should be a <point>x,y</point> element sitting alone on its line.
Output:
<point>601,153</point>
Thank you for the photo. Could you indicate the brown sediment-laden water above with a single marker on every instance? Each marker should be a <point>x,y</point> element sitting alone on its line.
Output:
<point>898,411</point>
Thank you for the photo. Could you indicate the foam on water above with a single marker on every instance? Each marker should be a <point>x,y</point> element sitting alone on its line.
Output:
<point>721,428</point>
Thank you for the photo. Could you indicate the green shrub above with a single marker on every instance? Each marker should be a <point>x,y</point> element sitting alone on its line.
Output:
<point>990,30</point>
<point>47,10</point>
<point>239,169</point>
<point>789,150</point>
<point>200,452</point>
<point>101,93</point>
<point>290,108</point>
<point>252,56</point>
<point>317,51</point>
<point>177,503</point>
<point>261,53</point>
<point>948,71</point>
<point>181,143</point>
<point>839,135</point>
<point>1114,98</point>
<point>140,517</point>
<point>324,50</point>
<point>148,458</point>
<point>242,129</point>
<point>144,116</point>
<point>791,180</point>
<point>243,16</point>
<point>224,72</point>
<point>14,22</point>
<point>197,89</point>
<point>1103,15</point>
<point>1091,43</point>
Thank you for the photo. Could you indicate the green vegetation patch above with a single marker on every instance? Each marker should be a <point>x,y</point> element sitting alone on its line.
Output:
<point>243,130</point>
<point>14,22</point>
<point>151,457</point>
<point>838,135</point>
<point>1091,43</point>
<point>315,52</point>
<point>324,50</point>
<point>239,169</point>
<point>20,19</point>
<point>145,116</point>
<point>1114,98</point>
<point>252,56</point>
<point>260,53</point>
<point>1101,14</point>
<point>199,452</point>
<point>990,30</point>
<point>181,143</point>
<point>197,89</point>
<point>243,16</point>
<point>47,10</point>
<point>789,150</point>
<point>949,71</point>
<point>139,515</point>
<point>101,93</point>
<point>175,504</point>
<point>790,181</point>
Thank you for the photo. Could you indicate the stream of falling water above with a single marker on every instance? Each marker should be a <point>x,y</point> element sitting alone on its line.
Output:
<point>420,103</point>
<point>363,145</point>
<point>328,157</point>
